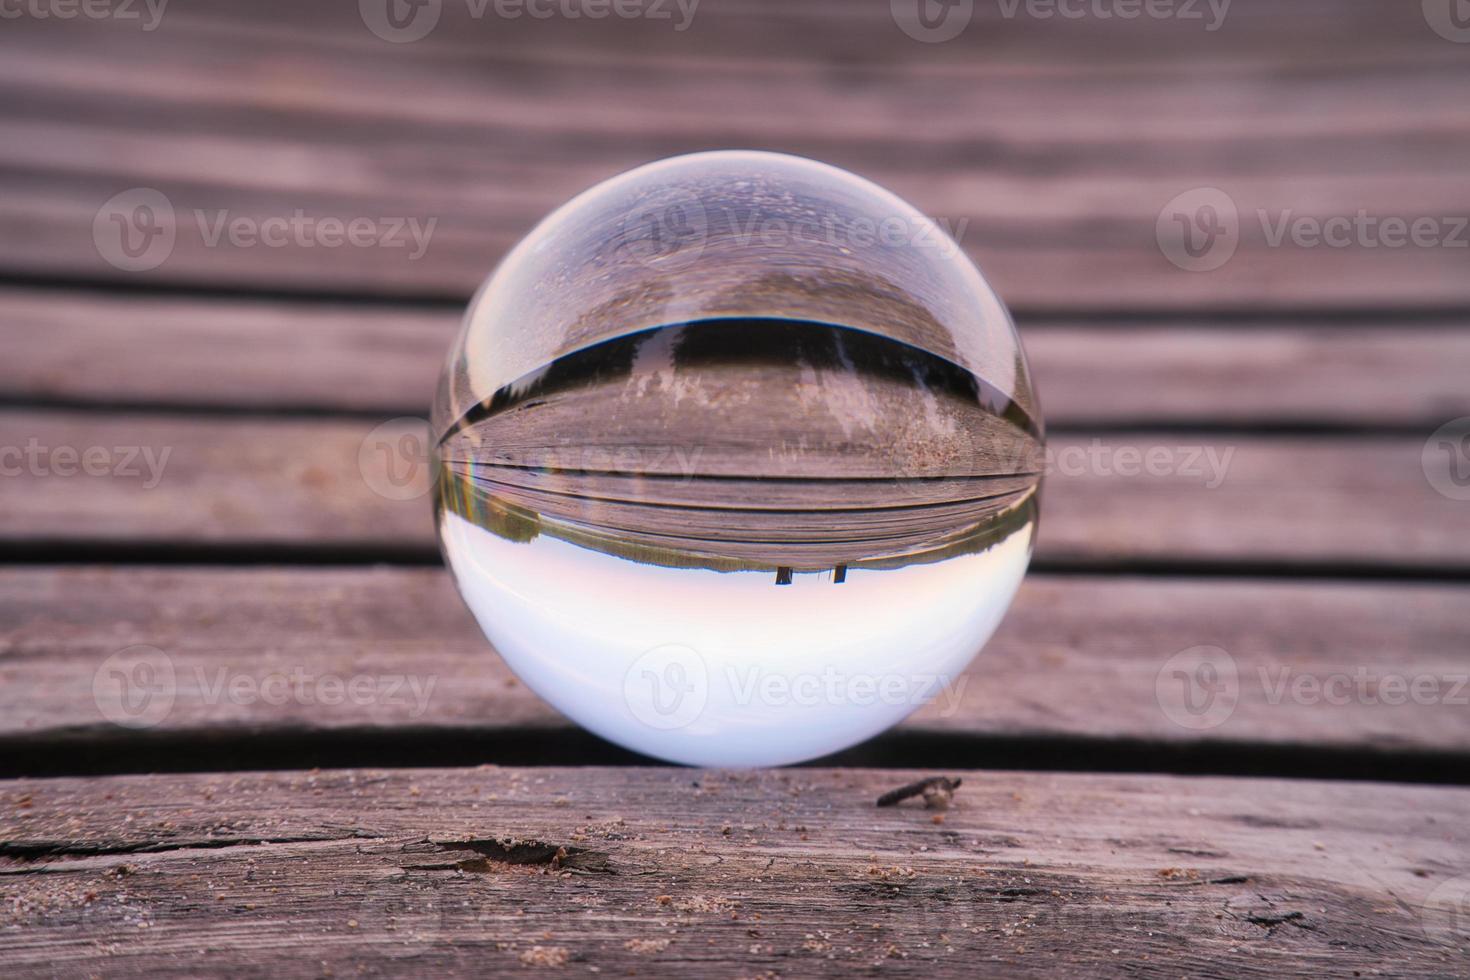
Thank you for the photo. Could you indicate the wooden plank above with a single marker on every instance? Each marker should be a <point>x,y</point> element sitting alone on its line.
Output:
<point>1253,374</point>
<point>1319,501</point>
<point>728,874</point>
<point>323,357</point>
<point>1058,142</point>
<point>221,481</point>
<point>105,348</point>
<point>773,32</point>
<point>326,484</point>
<point>1312,665</point>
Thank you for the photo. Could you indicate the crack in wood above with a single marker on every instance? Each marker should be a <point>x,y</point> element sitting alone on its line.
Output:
<point>45,850</point>
<point>495,851</point>
<point>1272,919</point>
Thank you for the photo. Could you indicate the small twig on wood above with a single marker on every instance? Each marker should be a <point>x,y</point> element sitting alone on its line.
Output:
<point>936,790</point>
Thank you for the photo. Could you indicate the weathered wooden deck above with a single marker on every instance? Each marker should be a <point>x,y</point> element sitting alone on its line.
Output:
<point>1311,821</point>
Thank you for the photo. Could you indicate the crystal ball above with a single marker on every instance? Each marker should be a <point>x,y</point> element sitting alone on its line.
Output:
<point>737,460</point>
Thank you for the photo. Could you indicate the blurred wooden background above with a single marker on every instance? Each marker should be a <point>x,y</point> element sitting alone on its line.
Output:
<point>1335,542</point>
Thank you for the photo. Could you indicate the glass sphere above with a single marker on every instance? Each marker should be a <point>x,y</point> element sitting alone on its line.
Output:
<point>737,459</point>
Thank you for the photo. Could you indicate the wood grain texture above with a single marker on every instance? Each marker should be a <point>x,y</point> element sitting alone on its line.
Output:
<point>246,651</point>
<point>571,871</point>
<point>323,484</point>
<point>1057,142</point>
<point>117,349</point>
